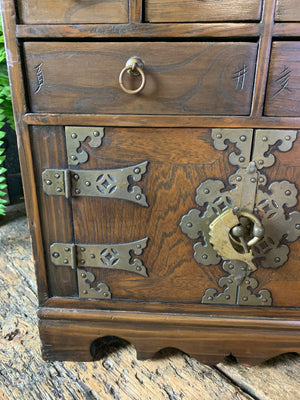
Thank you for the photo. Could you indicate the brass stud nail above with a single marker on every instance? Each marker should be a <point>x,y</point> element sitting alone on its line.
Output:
<point>77,191</point>
<point>260,162</point>
<point>138,197</point>
<point>189,224</point>
<point>204,256</point>
<point>92,256</point>
<point>261,179</point>
<point>264,300</point>
<point>297,226</point>
<point>219,136</point>
<point>76,177</point>
<point>82,248</point>
<point>138,246</point>
<point>230,281</point>
<point>138,268</point>
<point>209,298</point>
<point>242,159</point>
<point>206,191</point>
<point>84,292</point>
<point>243,138</point>
<point>59,190</point>
<point>287,192</point>
<point>287,138</point>
<point>245,298</point>
<point>105,294</point>
<point>239,178</point>
<point>87,183</point>
<point>277,259</point>
<point>48,182</point>
<point>67,248</point>
<point>83,275</point>
<point>247,282</point>
<point>243,268</point>
<point>236,209</point>
<point>253,180</point>
<point>66,261</point>
<point>73,158</point>
<point>55,255</point>
<point>265,139</point>
<point>228,297</point>
<point>137,170</point>
<point>230,266</point>
<point>57,175</point>
<point>74,135</point>
<point>96,133</point>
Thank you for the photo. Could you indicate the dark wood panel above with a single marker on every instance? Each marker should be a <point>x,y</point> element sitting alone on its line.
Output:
<point>182,78</point>
<point>193,10</point>
<point>72,11</point>
<point>287,10</point>
<point>48,146</point>
<point>178,161</point>
<point>283,90</point>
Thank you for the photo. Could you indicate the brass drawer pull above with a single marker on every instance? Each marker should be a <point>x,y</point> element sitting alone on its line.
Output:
<point>134,66</point>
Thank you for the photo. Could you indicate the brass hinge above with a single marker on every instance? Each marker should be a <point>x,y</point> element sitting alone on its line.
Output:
<point>107,183</point>
<point>111,256</point>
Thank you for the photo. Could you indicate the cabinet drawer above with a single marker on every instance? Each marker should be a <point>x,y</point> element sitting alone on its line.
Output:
<point>194,10</point>
<point>287,10</point>
<point>181,78</point>
<point>283,91</point>
<point>72,11</point>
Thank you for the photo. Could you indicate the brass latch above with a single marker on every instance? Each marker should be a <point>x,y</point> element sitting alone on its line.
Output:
<point>248,225</point>
<point>108,183</point>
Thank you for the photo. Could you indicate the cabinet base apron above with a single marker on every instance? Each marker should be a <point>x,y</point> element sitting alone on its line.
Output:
<point>69,334</point>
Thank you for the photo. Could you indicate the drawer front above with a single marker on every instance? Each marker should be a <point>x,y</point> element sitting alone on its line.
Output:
<point>181,78</point>
<point>283,91</point>
<point>72,11</point>
<point>185,184</point>
<point>287,10</point>
<point>194,10</point>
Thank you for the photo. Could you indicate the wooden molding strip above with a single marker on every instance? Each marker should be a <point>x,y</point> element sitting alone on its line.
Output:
<point>159,121</point>
<point>169,319</point>
<point>138,30</point>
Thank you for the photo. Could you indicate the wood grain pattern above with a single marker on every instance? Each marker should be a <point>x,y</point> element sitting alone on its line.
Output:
<point>218,77</point>
<point>192,10</point>
<point>136,30</point>
<point>162,121</point>
<point>283,90</point>
<point>48,148</point>
<point>151,333</point>
<point>287,10</point>
<point>72,11</point>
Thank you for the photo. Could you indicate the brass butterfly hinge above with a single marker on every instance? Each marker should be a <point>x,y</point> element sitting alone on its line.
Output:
<point>108,183</point>
<point>249,224</point>
<point>98,256</point>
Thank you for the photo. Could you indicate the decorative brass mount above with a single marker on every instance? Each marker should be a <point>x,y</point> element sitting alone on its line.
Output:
<point>246,226</point>
<point>75,135</point>
<point>108,183</point>
<point>111,256</point>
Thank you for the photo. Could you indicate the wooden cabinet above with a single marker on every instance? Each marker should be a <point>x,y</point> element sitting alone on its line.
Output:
<point>159,148</point>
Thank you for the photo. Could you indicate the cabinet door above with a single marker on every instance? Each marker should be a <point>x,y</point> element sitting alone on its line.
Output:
<point>152,215</point>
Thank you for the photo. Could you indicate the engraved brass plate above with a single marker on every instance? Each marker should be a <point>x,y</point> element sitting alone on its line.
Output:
<point>250,225</point>
<point>106,183</point>
<point>75,136</point>
<point>112,256</point>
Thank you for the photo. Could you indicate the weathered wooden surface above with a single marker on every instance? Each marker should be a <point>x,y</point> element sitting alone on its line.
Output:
<point>118,374</point>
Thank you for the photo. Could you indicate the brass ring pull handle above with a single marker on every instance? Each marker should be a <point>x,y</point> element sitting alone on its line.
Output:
<point>134,66</point>
<point>258,231</point>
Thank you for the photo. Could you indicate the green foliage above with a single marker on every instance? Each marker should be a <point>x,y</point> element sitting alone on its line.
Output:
<point>6,116</point>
